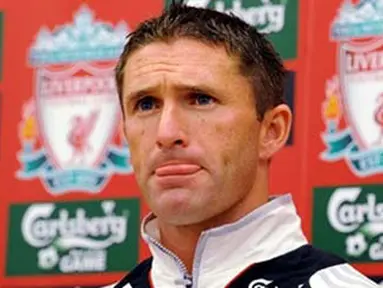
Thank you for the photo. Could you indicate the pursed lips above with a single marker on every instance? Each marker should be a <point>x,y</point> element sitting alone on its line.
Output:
<point>176,168</point>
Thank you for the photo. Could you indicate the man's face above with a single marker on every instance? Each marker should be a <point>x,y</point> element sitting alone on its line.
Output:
<point>192,129</point>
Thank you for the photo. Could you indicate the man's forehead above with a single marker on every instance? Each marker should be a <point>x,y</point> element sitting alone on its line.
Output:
<point>178,52</point>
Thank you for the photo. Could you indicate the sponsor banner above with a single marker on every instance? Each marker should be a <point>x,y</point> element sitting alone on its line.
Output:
<point>352,110</point>
<point>69,129</point>
<point>276,18</point>
<point>73,237</point>
<point>348,221</point>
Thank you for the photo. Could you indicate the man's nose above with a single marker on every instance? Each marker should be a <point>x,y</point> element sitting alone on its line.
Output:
<point>171,128</point>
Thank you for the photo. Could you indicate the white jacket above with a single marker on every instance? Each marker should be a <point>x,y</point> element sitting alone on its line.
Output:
<point>266,248</point>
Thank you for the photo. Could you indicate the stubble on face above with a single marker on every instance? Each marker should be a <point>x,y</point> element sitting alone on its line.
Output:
<point>221,137</point>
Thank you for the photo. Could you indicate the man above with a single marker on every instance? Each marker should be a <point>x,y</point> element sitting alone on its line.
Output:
<point>201,95</point>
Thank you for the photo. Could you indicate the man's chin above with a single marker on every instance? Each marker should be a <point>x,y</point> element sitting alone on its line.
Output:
<point>181,215</point>
<point>179,220</point>
<point>179,206</point>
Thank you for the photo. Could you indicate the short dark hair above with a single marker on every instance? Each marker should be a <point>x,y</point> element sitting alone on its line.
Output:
<point>258,60</point>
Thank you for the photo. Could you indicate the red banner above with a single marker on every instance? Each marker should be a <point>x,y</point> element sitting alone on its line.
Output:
<point>64,161</point>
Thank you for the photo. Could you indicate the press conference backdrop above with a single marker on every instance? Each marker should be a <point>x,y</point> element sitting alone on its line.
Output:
<point>59,110</point>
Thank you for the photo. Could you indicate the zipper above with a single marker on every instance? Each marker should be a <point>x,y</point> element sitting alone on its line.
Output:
<point>188,279</point>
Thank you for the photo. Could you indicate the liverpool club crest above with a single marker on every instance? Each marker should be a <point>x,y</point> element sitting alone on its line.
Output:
<point>70,127</point>
<point>353,108</point>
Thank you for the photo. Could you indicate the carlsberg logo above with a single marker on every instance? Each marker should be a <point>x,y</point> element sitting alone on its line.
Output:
<point>267,17</point>
<point>73,237</point>
<point>40,230</point>
<point>353,221</point>
<point>347,216</point>
<point>72,244</point>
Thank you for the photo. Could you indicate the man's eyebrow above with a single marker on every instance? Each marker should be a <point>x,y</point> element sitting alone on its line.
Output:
<point>196,89</point>
<point>152,90</point>
<point>134,95</point>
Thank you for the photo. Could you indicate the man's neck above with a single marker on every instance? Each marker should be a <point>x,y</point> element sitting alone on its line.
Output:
<point>182,240</point>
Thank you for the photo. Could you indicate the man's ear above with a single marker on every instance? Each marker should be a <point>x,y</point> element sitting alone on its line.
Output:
<point>275,130</point>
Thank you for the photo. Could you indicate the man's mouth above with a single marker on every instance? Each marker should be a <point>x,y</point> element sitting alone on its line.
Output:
<point>177,169</point>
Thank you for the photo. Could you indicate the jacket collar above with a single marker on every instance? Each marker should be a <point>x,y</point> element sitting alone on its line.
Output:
<point>223,252</point>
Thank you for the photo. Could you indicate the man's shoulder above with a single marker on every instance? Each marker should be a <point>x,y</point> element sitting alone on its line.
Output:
<point>333,271</point>
<point>329,270</point>
<point>341,275</point>
<point>138,277</point>
<point>304,267</point>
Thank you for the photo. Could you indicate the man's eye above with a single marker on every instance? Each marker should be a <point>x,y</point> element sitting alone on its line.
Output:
<point>202,99</point>
<point>146,104</point>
